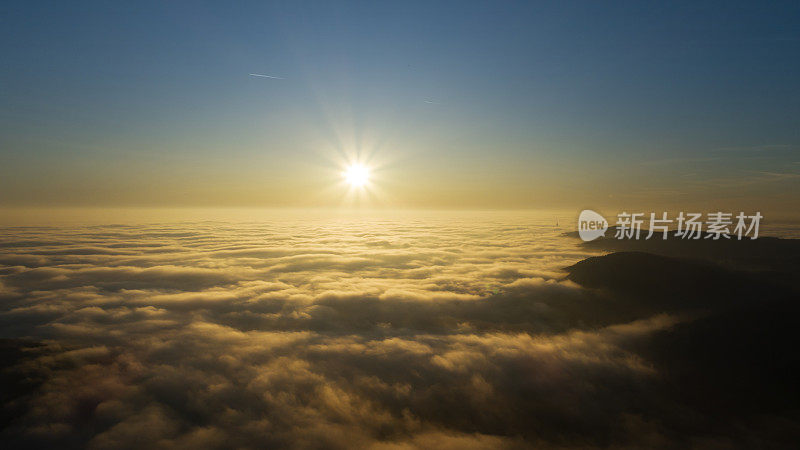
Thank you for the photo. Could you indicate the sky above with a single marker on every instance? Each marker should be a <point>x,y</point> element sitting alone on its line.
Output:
<point>184,263</point>
<point>450,104</point>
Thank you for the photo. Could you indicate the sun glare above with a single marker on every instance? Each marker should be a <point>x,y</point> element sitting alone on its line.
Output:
<point>356,175</point>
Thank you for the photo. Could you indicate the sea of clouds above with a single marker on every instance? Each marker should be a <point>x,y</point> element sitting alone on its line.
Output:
<point>449,332</point>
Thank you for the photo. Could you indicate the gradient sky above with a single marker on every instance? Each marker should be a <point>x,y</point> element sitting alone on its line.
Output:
<point>455,104</point>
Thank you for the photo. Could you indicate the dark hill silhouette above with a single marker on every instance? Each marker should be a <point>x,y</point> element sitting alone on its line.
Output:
<point>738,360</point>
<point>777,259</point>
<point>672,282</point>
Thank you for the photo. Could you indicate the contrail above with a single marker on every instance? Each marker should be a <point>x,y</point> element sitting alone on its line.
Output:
<point>266,76</point>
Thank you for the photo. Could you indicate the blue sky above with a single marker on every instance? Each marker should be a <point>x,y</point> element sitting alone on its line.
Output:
<point>101,101</point>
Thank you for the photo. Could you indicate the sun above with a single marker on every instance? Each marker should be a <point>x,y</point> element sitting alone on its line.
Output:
<point>356,175</point>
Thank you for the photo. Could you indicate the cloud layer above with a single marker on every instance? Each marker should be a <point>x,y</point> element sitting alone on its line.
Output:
<point>323,334</point>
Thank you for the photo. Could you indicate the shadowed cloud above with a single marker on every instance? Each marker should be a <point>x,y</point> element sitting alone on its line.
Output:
<point>406,336</point>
